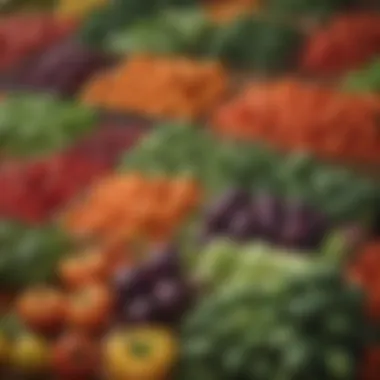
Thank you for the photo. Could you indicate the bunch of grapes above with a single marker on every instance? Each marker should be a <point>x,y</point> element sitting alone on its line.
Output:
<point>241,216</point>
<point>155,291</point>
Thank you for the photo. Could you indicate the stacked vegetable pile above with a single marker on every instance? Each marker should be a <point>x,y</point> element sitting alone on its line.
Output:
<point>329,123</point>
<point>26,124</point>
<point>344,44</point>
<point>172,88</point>
<point>122,208</point>
<point>244,217</point>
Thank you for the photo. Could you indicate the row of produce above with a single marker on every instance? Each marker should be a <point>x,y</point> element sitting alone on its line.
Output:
<point>255,41</point>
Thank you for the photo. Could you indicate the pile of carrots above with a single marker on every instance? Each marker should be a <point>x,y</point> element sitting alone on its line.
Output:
<point>299,116</point>
<point>346,43</point>
<point>164,87</point>
<point>121,208</point>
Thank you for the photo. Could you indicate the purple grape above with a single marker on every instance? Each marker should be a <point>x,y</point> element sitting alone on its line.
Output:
<point>220,213</point>
<point>64,68</point>
<point>172,299</point>
<point>269,215</point>
<point>139,310</point>
<point>163,261</point>
<point>132,282</point>
<point>302,227</point>
<point>242,226</point>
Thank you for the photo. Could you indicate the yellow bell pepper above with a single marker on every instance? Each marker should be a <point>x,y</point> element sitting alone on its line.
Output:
<point>142,353</point>
<point>78,8</point>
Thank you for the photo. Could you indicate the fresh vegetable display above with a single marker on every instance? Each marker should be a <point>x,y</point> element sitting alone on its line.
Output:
<point>176,88</point>
<point>225,264</point>
<point>132,207</point>
<point>148,353</point>
<point>189,189</point>
<point>345,43</point>
<point>256,43</point>
<point>63,68</point>
<point>75,355</point>
<point>25,34</point>
<point>32,124</point>
<point>169,32</point>
<point>338,192</point>
<point>328,123</point>
<point>305,329</point>
<point>244,217</point>
<point>156,290</point>
<point>118,14</point>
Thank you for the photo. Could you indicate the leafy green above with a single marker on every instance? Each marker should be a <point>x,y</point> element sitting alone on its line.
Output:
<point>185,149</point>
<point>38,124</point>
<point>311,327</point>
<point>170,31</point>
<point>29,255</point>
<point>121,14</point>
<point>252,42</point>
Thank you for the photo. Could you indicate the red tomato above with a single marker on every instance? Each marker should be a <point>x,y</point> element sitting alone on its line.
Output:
<point>75,356</point>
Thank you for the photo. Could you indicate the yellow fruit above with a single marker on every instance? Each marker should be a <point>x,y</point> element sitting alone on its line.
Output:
<point>30,353</point>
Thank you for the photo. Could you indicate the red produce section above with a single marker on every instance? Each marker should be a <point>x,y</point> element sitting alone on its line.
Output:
<point>26,34</point>
<point>32,191</point>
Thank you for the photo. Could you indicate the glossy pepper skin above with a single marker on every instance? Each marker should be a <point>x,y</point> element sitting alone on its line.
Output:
<point>143,353</point>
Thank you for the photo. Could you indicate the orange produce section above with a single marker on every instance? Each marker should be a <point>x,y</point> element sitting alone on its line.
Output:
<point>162,87</point>
<point>301,116</point>
<point>125,207</point>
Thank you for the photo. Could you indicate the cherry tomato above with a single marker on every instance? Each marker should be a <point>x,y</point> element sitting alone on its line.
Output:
<point>75,356</point>
<point>83,269</point>
<point>90,308</point>
<point>42,308</point>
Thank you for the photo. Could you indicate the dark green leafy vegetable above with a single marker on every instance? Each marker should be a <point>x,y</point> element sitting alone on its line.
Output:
<point>251,42</point>
<point>120,14</point>
<point>181,149</point>
<point>39,124</point>
<point>170,31</point>
<point>312,327</point>
<point>29,255</point>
